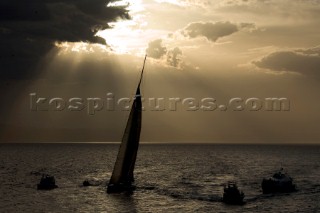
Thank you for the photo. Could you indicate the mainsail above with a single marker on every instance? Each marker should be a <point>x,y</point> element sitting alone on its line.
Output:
<point>122,175</point>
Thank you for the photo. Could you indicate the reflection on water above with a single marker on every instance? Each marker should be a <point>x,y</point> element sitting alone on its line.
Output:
<point>123,202</point>
<point>169,178</point>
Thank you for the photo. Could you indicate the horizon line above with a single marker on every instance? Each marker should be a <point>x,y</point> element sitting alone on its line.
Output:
<point>175,143</point>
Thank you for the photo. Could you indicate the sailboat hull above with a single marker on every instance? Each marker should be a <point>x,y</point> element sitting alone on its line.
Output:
<point>121,187</point>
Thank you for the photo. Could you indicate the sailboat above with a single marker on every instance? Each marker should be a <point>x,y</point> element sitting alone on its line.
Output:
<point>122,175</point>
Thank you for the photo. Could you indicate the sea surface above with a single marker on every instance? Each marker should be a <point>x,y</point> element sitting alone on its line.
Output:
<point>169,178</point>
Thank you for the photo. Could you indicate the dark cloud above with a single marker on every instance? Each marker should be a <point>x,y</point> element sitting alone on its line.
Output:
<point>156,49</point>
<point>304,61</point>
<point>212,31</point>
<point>28,29</point>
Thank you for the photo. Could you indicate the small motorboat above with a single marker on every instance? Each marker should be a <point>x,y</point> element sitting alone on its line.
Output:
<point>86,183</point>
<point>232,195</point>
<point>280,182</point>
<point>91,182</point>
<point>47,182</point>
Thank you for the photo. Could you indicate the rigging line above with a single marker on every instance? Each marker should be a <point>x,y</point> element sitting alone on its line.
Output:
<point>144,63</point>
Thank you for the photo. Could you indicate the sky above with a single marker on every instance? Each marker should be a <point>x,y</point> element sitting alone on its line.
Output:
<point>197,50</point>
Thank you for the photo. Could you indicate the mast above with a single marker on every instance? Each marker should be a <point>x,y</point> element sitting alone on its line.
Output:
<point>122,175</point>
<point>141,76</point>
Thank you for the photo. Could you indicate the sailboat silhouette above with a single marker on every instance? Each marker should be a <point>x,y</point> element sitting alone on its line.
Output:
<point>122,175</point>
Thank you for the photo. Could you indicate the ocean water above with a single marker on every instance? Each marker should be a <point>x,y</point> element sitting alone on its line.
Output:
<point>169,178</point>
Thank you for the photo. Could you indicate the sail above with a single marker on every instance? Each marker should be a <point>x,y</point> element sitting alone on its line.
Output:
<point>122,174</point>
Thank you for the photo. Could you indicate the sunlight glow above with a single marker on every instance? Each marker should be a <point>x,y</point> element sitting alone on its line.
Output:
<point>79,47</point>
<point>187,3</point>
<point>130,36</point>
<point>133,6</point>
<point>175,2</point>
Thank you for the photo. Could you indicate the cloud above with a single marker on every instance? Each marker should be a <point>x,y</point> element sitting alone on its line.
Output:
<point>174,57</point>
<point>214,31</point>
<point>156,49</point>
<point>271,11</point>
<point>304,61</point>
<point>30,28</point>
